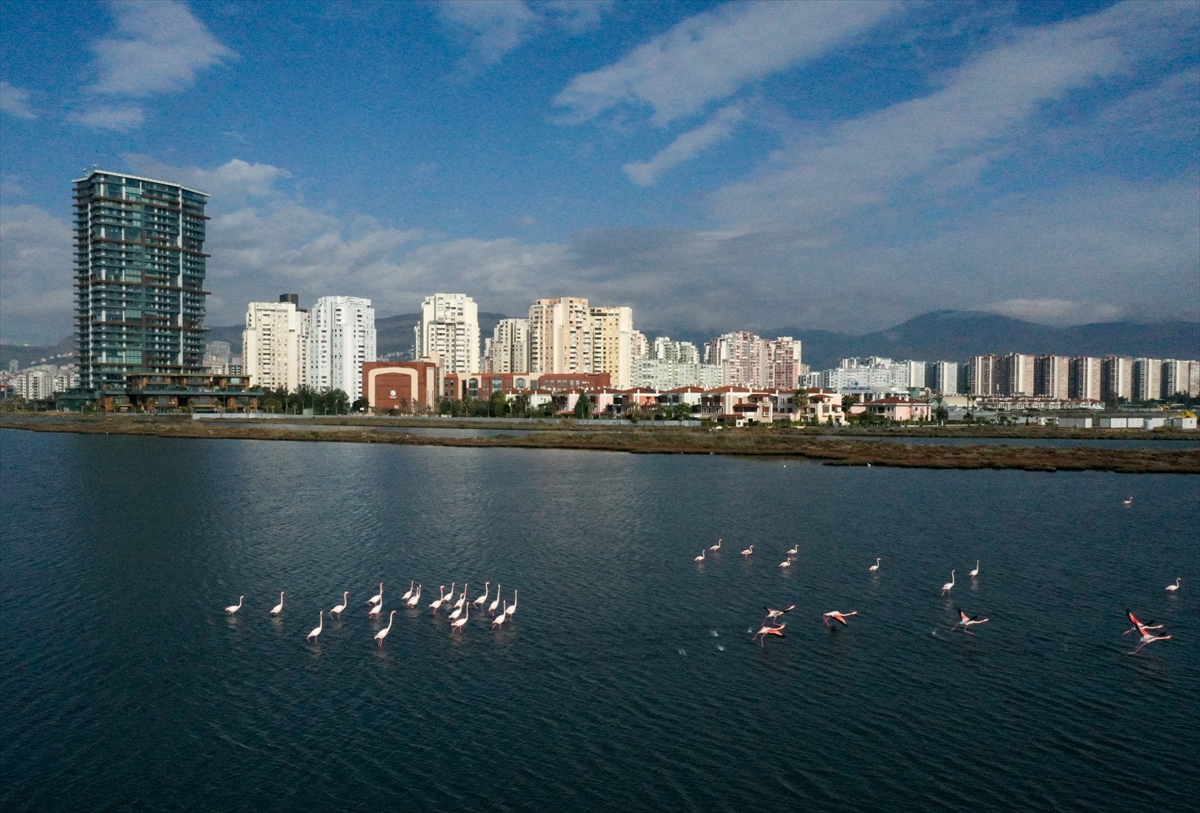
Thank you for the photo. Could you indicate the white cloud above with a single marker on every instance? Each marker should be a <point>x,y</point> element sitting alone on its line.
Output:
<point>718,128</point>
<point>495,28</point>
<point>15,101</point>
<point>36,294</point>
<point>1054,311</point>
<point>232,181</point>
<point>710,56</point>
<point>159,48</point>
<point>121,118</point>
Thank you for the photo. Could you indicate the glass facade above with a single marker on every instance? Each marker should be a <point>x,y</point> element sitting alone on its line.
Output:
<point>139,276</point>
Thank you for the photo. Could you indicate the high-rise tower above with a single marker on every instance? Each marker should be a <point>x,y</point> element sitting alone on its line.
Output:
<point>139,275</point>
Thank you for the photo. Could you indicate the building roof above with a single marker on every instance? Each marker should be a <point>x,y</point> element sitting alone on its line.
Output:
<point>96,171</point>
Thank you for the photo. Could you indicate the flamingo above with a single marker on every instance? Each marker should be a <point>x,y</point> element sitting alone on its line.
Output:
<point>1171,588</point>
<point>278,608</point>
<point>948,586</point>
<point>233,608</point>
<point>492,607</point>
<point>1147,638</point>
<point>479,601</point>
<point>511,608</point>
<point>408,595</point>
<point>748,551</point>
<point>416,599</point>
<point>975,572</point>
<point>875,567</point>
<point>966,621</point>
<point>786,563</point>
<point>312,636</point>
<point>462,622</point>
<point>383,633</point>
<point>1138,626</point>
<point>500,619</point>
<point>836,616</point>
<point>773,614</point>
<point>766,630</point>
<point>699,558</point>
<point>1127,502</point>
<point>794,551</point>
<point>458,605</point>
<point>458,610</point>
<point>338,609</point>
<point>717,546</point>
<point>378,597</point>
<point>437,602</point>
<point>375,610</point>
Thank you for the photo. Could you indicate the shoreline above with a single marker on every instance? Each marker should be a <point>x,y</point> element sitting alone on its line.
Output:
<point>852,451</point>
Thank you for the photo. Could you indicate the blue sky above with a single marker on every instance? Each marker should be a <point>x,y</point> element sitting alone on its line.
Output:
<point>717,166</point>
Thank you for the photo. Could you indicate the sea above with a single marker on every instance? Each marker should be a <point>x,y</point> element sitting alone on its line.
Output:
<point>628,678</point>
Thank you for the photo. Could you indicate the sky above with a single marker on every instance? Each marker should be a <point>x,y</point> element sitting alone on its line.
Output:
<point>717,166</point>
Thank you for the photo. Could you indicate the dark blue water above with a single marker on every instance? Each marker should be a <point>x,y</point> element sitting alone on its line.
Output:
<point>627,680</point>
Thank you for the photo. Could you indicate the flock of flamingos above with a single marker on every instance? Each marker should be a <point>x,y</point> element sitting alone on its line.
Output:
<point>461,612</point>
<point>965,622</point>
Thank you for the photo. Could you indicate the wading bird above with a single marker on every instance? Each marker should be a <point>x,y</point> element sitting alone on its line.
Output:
<point>486,587</point>
<point>699,558</point>
<point>492,607</point>
<point>836,616</point>
<point>975,572</point>
<point>794,551</point>
<point>278,608</point>
<point>436,604</point>
<point>718,545</point>
<point>416,599</point>
<point>766,630</point>
<point>312,636</point>
<point>773,614</point>
<point>1138,626</point>
<point>966,621</point>
<point>948,586</point>
<point>499,620</point>
<point>1128,502</point>
<point>233,608</point>
<point>408,595</point>
<point>375,610</point>
<point>458,605</point>
<point>1171,588</point>
<point>875,567</point>
<point>337,611</point>
<point>511,609</point>
<point>462,622</point>
<point>748,551</point>
<point>383,633</point>
<point>458,611</point>
<point>786,562</point>
<point>378,597</point>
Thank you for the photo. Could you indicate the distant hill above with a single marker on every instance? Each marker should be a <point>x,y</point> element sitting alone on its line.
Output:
<point>28,354</point>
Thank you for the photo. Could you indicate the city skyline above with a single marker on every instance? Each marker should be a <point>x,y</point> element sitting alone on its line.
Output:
<point>718,166</point>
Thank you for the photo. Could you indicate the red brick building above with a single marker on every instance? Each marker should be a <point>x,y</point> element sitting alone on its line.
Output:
<point>405,386</point>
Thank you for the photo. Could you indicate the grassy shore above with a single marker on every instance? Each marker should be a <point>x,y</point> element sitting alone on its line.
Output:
<point>759,442</point>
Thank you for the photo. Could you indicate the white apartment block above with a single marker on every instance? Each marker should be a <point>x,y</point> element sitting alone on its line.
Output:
<point>1147,380</point>
<point>1180,376</point>
<point>873,374</point>
<point>664,349</point>
<point>981,375</point>
<point>1053,377</point>
<point>560,336</point>
<point>639,345</point>
<point>449,331</point>
<point>612,343</point>
<point>275,346</point>
<point>663,375</point>
<point>41,382</point>
<point>510,346</point>
<point>1116,378</point>
<point>945,377</point>
<point>917,374</point>
<point>341,337</point>
<point>1015,374</point>
<point>1085,379</point>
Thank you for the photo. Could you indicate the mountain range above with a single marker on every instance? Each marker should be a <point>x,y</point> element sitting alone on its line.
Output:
<point>936,336</point>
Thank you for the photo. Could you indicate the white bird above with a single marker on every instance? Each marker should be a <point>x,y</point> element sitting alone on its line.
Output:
<point>458,611</point>
<point>383,633</point>
<point>786,563</point>
<point>338,609</point>
<point>975,572</point>
<point>1171,588</point>
<point>1147,638</point>
<point>699,558</point>
<point>233,608</point>
<point>1138,626</point>
<point>486,587</point>
<point>748,551</point>
<point>511,608</point>
<point>794,551</point>
<point>965,621</point>
<point>375,610</point>
<point>499,620</point>
<point>313,635</point>
<point>278,608</point>
<point>773,614</point>
<point>378,597</point>
<point>718,545</point>
<point>416,599</point>
<point>1128,501</point>
<point>948,586</point>
<point>462,622</point>
<point>836,616</point>
<point>875,566</point>
<point>492,607</point>
<point>458,605</point>
<point>408,595</point>
<point>436,604</point>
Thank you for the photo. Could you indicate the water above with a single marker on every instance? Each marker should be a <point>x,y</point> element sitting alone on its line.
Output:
<point>125,687</point>
<point>1136,441</point>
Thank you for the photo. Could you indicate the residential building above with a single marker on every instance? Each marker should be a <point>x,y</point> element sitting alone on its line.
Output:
<point>139,277</point>
<point>449,332</point>
<point>866,376</point>
<point>661,374</point>
<point>1014,374</point>
<point>1147,381</point>
<point>742,354</point>
<point>560,336</point>
<point>665,349</point>
<point>341,339</point>
<point>1116,378</point>
<point>945,377</point>
<point>783,366</point>
<point>1180,377</point>
<point>612,343</point>
<point>216,357</point>
<point>510,346</point>
<point>1084,383</point>
<point>917,374</point>
<point>1052,376</point>
<point>275,344</point>
<point>981,375</point>
<point>639,346</point>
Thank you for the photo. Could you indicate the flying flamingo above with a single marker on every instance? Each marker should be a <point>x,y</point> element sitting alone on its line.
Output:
<point>312,636</point>
<point>408,595</point>
<point>699,558</point>
<point>416,599</point>
<point>717,546</point>
<point>511,608</point>
<point>462,622</point>
<point>479,601</point>
<point>748,551</point>
<point>836,616</point>
<point>437,602</point>
<point>500,619</point>
<point>378,597</point>
<point>1128,502</point>
<point>1138,626</point>
<point>966,621</point>
<point>458,605</point>
<point>338,609</point>
<point>948,586</point>
<point>875,567</point>
<point>233,608</point>
<point>786,563</point>
<point>1171,588</point>
<point>766,630</point>
<point>492,607</point>
<point>383,633</point>
<point>278,608</point>
<point>1147,638</point>
<point>773,614</point>
<point>975,572</point>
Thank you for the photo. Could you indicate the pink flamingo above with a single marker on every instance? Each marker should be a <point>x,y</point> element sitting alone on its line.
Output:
<point>748,551</point>
<point>1138,626</point>
<point>699,558</point>
<point>338,609</point>
<point>278,608</point>
<point>966,621</point>
<point>773,614</point>
<point>511,609</point>
<point>312,636</point>
<point>1171,588</point>
<point>383,633</point>
<point>375,610</point>
<point>416,599</point>
<point>378,597</point>
<point>233,608</point>
<point>462,622</point>
<point>717,546</point>
<point>479,601</point>
<point>408,595</point>
<point>875,567</point>
<point>500,619</point>
<point>836,616</point>
<point>948,586</point>
<point>766,630</point>
<point>436,604</point>
<point>1148,638</point>
<point>492,607</point>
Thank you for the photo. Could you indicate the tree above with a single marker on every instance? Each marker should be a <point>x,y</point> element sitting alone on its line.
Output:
<point>360,405</point>
<point>498,404</point>
<point>583,407</point>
